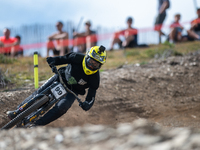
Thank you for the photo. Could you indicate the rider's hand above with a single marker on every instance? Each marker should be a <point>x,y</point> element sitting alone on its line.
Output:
<point>81,104</point>
<point>54,69</point>
<point>85,105</point>
<point>51,61</point>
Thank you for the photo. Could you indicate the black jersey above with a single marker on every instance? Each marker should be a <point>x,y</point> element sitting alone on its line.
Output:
<point>75,77</point>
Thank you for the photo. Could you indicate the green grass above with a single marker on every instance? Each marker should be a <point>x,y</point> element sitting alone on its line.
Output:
<point>20,72</point>
<point>141,55</point>
<point>6,60</point>
<point>153,52</point>
<point>143,63</point>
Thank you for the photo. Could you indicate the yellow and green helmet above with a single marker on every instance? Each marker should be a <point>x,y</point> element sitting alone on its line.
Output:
<point>95,57</point>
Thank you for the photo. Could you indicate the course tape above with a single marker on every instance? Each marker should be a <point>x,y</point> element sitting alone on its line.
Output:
<point>92,38</point>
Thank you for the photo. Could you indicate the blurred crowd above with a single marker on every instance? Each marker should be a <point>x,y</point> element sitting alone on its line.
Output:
<point>59,41</point>
<point>10,46</point>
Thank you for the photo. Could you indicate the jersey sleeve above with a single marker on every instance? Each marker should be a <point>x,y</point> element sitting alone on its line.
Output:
<point>68,58</point>
<point>94,85</point>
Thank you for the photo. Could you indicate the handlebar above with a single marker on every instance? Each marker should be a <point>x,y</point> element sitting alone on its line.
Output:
<point>55,70</point>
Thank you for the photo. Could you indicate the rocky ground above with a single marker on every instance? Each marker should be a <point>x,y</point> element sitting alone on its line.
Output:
<point>138,135</point>
<point>164,93</point>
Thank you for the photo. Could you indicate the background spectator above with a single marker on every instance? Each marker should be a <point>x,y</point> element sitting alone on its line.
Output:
<point>61,38</point>
<point>130,35</point>
<point>194,32</point>
<point>85,40</point>
<point>163,5</point>
<point>176,29</point>
<point>8,43</point>
<point>17,50</point>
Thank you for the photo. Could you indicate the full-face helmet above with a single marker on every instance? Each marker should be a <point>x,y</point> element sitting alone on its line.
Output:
<point>95,57</point>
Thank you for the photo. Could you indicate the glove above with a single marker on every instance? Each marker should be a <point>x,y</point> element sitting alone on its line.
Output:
<point>81,104</point>
<point>85,105</point>
<point>54,69</point>
<point>51,61</point>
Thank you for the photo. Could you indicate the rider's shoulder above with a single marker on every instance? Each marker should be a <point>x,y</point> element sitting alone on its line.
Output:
<point>74,54</point>
<point>75,57</point>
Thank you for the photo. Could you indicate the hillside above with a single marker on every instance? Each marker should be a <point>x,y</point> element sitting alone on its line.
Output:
<point>164,92</point>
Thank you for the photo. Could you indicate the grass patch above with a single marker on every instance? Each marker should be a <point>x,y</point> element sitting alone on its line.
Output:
<point>150,53</point>
<point>6,60</point>
<point>143,63</point>
<point>3,79</point>
<point>20,72</point>
<point>132,53</point>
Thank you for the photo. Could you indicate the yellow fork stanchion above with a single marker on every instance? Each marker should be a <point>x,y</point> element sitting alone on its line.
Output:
<point>35,58</point>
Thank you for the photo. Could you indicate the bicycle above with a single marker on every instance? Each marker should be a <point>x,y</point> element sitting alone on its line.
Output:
<point>41,103</point>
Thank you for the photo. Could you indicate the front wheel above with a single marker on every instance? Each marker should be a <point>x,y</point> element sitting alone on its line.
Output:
<point>26,112</point>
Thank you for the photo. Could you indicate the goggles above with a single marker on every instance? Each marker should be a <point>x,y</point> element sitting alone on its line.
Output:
<point>92,64</point>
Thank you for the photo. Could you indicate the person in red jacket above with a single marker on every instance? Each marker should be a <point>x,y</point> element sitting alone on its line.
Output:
<point>130,35</point>
<point>194,31</point>
<point>58,42</point>
<point>83,41</point>
<point>8,44</point>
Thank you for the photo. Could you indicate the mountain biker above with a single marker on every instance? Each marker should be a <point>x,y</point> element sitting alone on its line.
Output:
<point>82,72</point>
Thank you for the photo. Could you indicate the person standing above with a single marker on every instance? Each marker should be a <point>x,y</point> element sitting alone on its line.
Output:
<point>162,7</point>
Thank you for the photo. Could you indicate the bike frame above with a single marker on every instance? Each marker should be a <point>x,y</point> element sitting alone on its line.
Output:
<point>52,100</point>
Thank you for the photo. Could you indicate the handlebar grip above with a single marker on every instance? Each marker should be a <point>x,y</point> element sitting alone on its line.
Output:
<point>52,65</point>
<point>80,104</point>
<point>54,69</point>
<point>78,99</point>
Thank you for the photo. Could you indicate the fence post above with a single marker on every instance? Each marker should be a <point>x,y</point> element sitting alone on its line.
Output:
<point>35,58</point>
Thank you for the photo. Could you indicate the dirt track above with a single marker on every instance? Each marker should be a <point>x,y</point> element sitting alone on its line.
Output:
<point>164,91</point>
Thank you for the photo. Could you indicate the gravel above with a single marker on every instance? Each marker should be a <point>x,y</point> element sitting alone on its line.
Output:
<point>138,135</point>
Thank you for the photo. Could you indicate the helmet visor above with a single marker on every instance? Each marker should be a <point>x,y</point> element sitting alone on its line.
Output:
<point>92,64</point>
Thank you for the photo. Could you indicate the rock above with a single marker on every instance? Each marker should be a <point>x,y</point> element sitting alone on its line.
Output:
<point>136,135</point>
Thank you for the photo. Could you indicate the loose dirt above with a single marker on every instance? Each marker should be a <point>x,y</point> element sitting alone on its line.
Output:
<point>164,91</point>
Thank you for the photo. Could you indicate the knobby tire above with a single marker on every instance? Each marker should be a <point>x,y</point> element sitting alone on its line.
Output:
<point>25,113</point>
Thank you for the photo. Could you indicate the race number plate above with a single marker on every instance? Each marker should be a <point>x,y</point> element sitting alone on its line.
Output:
<point>58,91</point>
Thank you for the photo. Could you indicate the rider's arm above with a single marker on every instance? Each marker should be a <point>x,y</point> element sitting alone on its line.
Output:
<point>90,98</point>
<point>89,101</point>
<point>66,59</point>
